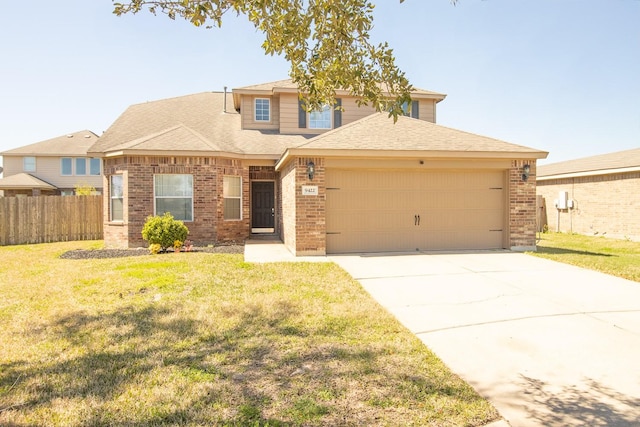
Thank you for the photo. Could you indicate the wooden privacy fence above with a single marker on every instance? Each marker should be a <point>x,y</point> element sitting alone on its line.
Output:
<point>45,219</point>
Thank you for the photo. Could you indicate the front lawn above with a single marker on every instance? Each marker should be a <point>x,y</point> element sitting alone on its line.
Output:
<point>617,257</point>
<point>198,339</point>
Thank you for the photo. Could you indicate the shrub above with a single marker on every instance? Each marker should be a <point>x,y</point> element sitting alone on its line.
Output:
<point>154,248</point>
<point>164,230</point>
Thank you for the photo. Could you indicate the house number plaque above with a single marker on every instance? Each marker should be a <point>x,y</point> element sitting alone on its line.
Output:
<point>309,190</point>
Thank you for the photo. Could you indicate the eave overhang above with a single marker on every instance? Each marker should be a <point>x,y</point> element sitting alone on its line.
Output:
<point>588,173</point>
<point>397,154</point>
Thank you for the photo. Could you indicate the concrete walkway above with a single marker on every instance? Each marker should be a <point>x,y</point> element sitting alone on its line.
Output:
<point>272,250</point>
<point>547,343</point>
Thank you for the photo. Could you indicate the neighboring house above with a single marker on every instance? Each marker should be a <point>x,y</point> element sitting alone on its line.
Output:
<point>232,165</point>
<point>598,195</point>
<point>52,167</point>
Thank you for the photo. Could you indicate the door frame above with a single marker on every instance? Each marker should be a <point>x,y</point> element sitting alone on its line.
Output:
<point>269,230</point>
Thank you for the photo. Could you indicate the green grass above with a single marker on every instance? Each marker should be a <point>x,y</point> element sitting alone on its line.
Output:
<point>195,339</point>
<point>617,257</point>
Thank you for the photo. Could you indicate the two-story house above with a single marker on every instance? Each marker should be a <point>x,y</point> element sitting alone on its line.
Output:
<point>52,167</point>
<point>346,179</point>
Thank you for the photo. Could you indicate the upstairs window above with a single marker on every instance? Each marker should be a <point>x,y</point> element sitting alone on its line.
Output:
<point>262,110</point>
<point>66,166</point>
<point>411,110</point>
<point>320,119</point>
<point>29,164</point>
<point>232,195</point>
<point>174,194</point>
<point>94,166</point>
<point>81,166</point>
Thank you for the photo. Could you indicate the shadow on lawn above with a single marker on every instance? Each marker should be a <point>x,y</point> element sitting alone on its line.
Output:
<point>564,251</point>
<point>590,404</point>
<point>156,366</point>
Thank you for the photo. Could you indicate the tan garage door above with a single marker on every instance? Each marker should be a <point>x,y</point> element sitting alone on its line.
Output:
<point>386,210</point>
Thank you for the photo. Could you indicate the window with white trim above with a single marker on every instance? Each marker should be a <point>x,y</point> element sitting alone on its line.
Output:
<point>81,166</point>
<point>232,197</point>
<point>262,110</point>
<point>29,164</point>
<point>173,193</point>
<point>116,195</point>
<point>94,166</point>
<point>320,119</point>
<point>66,166</point>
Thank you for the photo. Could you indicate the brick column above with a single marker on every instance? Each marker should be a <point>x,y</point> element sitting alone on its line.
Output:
<point>522,207</point>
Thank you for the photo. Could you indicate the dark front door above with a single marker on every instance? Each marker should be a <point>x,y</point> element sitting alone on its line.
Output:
<point>262,209</point>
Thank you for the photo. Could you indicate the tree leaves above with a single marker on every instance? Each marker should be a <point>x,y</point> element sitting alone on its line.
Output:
<point>325,41</point>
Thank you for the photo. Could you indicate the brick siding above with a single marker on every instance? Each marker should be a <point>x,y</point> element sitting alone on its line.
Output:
<point>208,225</point>
<point>606,205</point>
<point>522,206</point>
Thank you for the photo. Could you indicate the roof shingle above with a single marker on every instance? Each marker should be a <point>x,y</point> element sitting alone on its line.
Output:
<point>73,144</point>
<point>602,162</point>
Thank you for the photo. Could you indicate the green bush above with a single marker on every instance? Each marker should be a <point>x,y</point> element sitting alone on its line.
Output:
<point>164,230</point>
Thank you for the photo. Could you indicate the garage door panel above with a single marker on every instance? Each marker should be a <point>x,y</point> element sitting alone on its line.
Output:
<point>377,210</point>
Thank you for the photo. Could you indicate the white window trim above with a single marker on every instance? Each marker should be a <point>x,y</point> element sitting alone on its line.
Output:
<point>255,110</point>
<point>330,111</point>
<point>99,166</point>
<point>75,166</point>
<point>111,198</point>
<point>173,197</point>
<point>224,197</point>
<point>61,171</point>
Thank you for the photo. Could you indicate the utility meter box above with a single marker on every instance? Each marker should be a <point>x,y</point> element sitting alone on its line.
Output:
<point>562,201</point>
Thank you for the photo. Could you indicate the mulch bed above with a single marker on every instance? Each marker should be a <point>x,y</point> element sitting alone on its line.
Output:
<point>120,253</point>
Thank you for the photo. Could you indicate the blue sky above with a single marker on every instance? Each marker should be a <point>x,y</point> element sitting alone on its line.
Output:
<point>558,75</point>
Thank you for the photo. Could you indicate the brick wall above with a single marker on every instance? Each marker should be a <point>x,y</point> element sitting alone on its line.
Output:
<point>208,225</point>
<point>606,205</point>
<point>522,206</point>
<point>310,214</point>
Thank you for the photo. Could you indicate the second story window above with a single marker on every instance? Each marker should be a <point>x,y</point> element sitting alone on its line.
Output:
<point>66,166</point>
<point>81,166</point>
<point>263,110</point>
<point>29,164</point>
<point>94,166</point>
<point>320,119</point>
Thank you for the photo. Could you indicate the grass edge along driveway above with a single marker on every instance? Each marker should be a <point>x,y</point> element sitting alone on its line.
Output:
<point>617,257</point>
<point>207,339</point>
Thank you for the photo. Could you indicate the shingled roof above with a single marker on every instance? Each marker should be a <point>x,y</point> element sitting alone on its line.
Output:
<point>73,144</point>
<point>22,181</point>
<point>593,165</point>
<point>189,125</point>
<point>197,125</point>
<point>377,135</point>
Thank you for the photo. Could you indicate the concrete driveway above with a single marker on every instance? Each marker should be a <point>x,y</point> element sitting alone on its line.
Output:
<point>547,343</point>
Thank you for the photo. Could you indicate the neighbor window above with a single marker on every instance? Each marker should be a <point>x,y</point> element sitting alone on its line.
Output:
<point>94,166</point>
<point>81,166</point>
<point>174,194</point>
<point>29,164</point>
<point>66,166</point>
<point>320,119</point>
<point>117,199</point>
<point>232,194</point>
<point>263,110</point>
